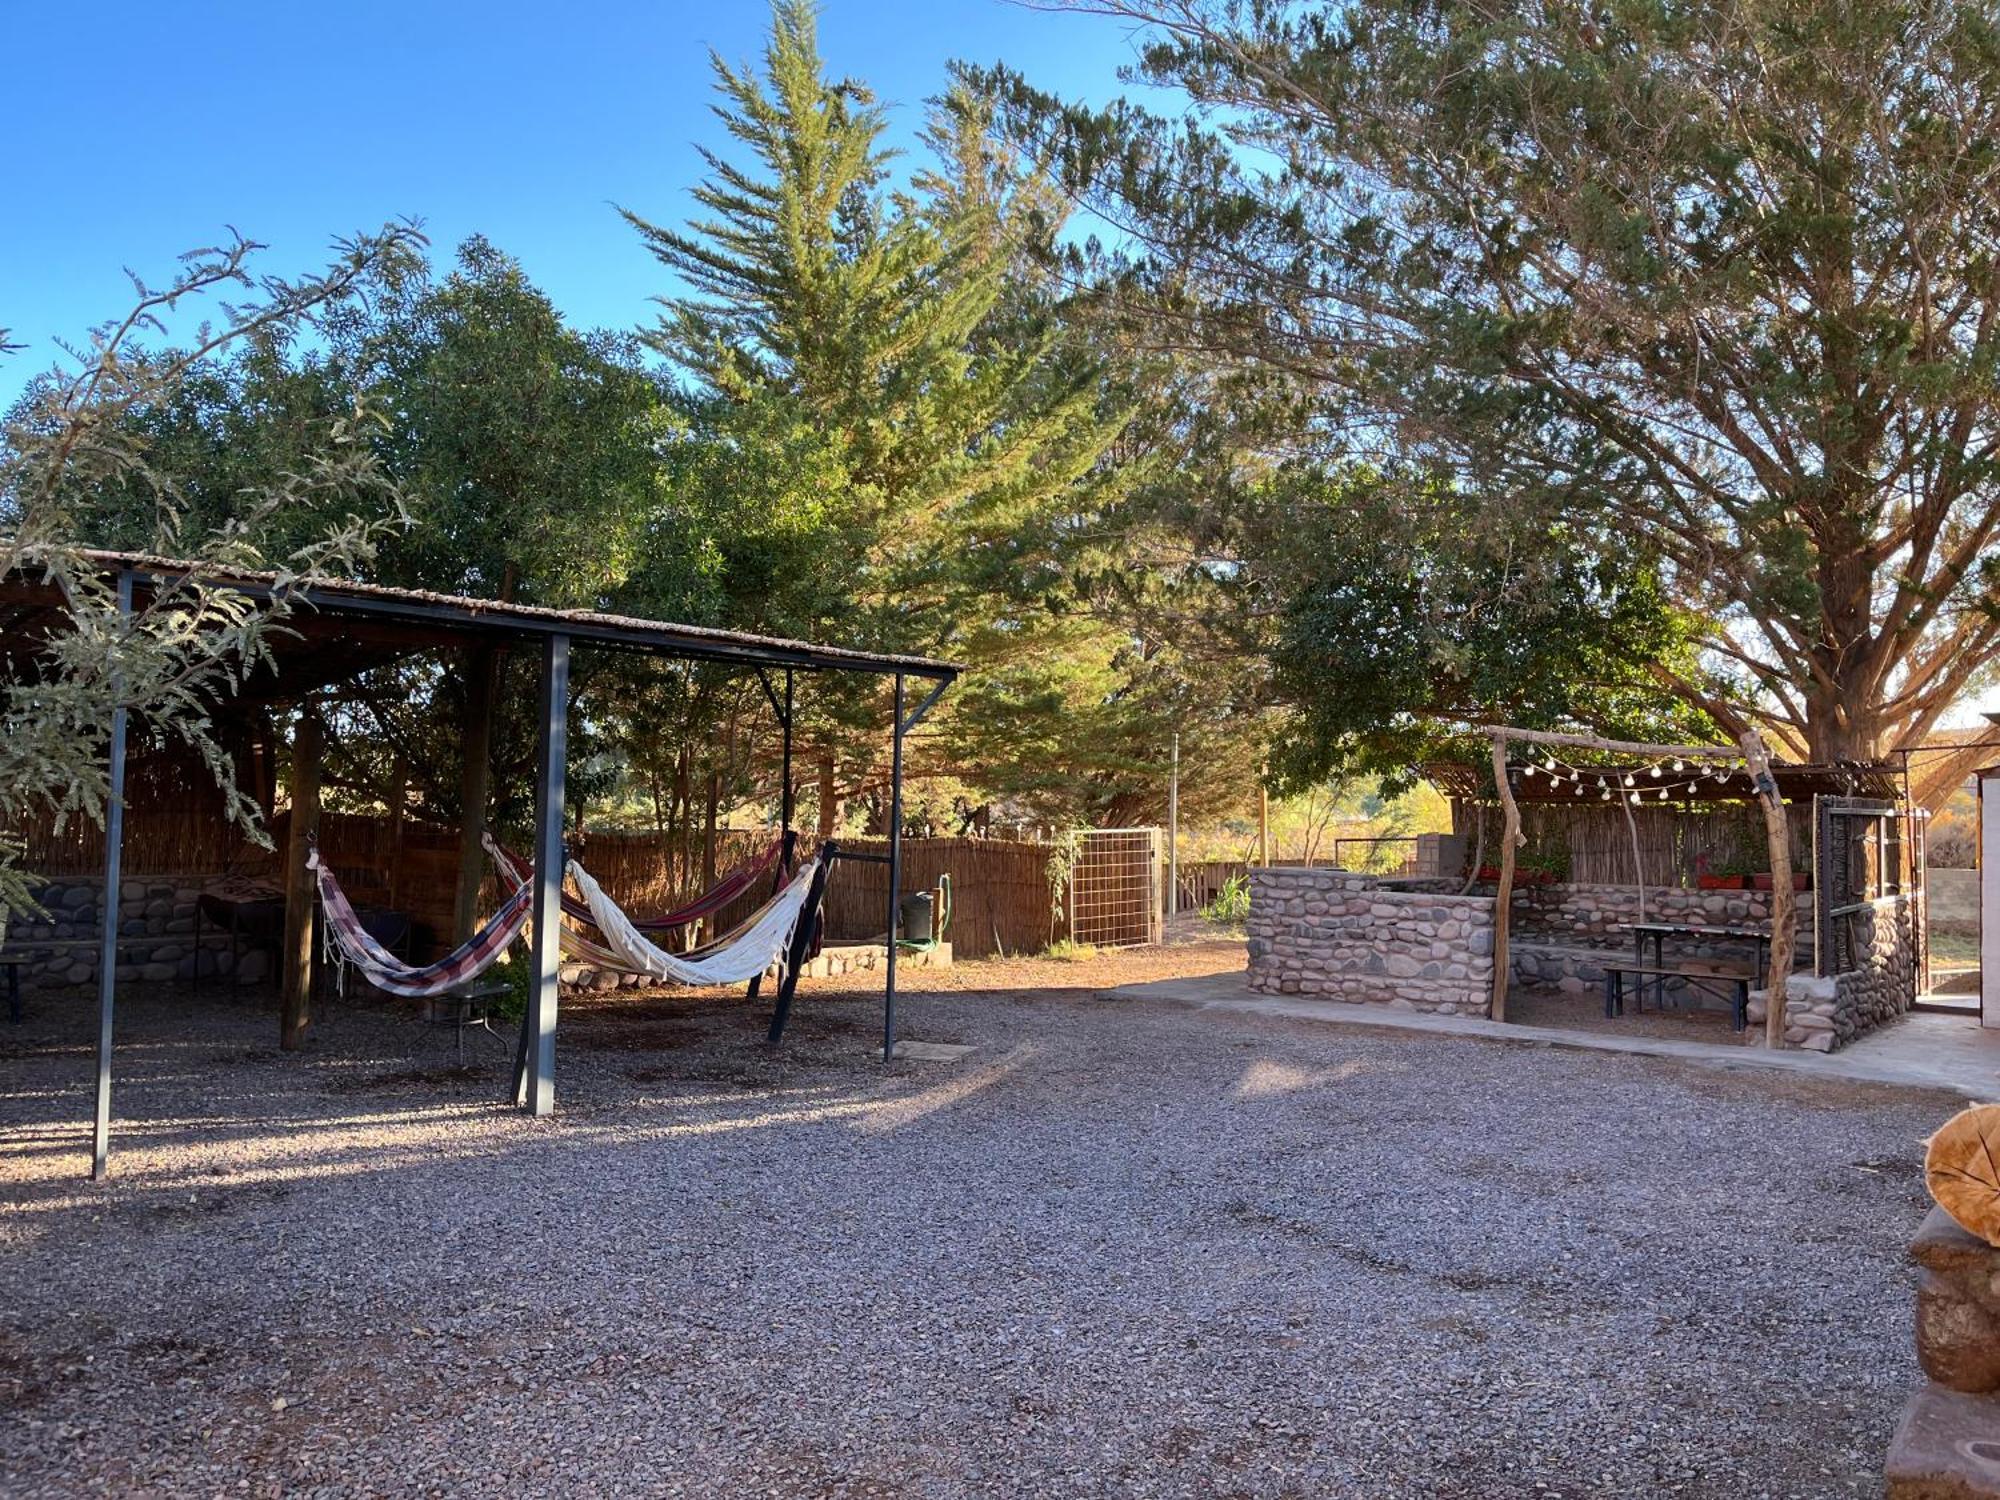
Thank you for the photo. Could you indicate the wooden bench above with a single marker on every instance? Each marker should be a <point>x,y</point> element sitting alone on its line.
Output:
<point>1732,985</point>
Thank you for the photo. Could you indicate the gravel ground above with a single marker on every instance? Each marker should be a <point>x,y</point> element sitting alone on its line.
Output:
<point>1119,1250</point>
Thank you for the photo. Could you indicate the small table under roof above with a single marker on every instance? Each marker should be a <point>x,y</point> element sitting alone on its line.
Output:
<point>1659,932</point>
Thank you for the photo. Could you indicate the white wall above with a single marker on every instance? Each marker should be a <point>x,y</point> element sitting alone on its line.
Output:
<point>1989,897</point>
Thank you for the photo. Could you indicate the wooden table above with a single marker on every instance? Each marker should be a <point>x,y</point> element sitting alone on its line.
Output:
<point>1659,932</point>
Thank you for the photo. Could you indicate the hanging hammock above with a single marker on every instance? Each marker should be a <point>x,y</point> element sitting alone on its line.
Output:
<point>711,901</point>
<point>577,943</point>
<point>354,944</point>
<point>764,938</point>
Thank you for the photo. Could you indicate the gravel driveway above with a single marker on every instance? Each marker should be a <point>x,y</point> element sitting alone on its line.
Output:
<point>1119,1250</point>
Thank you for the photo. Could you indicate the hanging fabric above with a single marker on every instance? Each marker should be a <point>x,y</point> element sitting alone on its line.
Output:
<point>721,894</point>
<point>381,968</point>
<point>763,940</point>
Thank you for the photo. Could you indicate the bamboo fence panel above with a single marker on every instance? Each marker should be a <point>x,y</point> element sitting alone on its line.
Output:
<point>1675,843</point>
<point>999,887</point>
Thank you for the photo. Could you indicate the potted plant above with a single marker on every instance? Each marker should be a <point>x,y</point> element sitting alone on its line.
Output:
<point>1729,873</point>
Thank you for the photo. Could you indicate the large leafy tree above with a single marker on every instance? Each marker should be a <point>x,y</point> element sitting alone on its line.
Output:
<point>897,379</point>
<point>1712,278</point>
<point>80,434</point>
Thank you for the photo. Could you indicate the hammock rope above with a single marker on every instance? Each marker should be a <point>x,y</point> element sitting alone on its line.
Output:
<point>350,943</point>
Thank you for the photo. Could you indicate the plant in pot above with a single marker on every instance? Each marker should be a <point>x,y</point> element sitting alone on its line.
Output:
<point>1544,866</point>
<point>1729,872</point>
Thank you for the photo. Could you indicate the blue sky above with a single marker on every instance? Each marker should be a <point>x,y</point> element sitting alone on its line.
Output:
<point>137,131</point>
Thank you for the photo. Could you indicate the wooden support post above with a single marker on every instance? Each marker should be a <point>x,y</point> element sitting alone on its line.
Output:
<point>537,1090</point>
<point>1784,901</point>
<point>399,799</point>
<point>1263,825</point>
<point>1174,829</point>
<point>1510,840</point>
<point>297,955</point>
<point>475,786</point>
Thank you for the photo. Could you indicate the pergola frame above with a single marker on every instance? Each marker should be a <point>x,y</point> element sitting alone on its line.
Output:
<point>394,623</point>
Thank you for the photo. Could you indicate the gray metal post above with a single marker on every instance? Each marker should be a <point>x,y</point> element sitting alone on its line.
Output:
<point>1174,830</point>
<point>545,947</point>
<point>895,873</point>
<point>107,953</point>
<point>785,797</point>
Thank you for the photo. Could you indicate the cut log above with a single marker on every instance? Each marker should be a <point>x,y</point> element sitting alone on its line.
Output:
<point>1962,1170</point>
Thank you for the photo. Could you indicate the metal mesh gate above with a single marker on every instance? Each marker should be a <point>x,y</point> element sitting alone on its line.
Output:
<point>1114,893</point>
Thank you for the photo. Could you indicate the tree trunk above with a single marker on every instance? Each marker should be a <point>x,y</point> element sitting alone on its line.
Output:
<point>1784,901</point>
<point>829,808</point>
<point>296,1002</point>
<point>1503,898</point>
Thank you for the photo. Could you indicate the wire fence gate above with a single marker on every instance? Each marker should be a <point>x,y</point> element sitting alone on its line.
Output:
<point>1115,891</point>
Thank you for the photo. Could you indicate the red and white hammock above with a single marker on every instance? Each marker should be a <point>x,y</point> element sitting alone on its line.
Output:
<point>354,944</point>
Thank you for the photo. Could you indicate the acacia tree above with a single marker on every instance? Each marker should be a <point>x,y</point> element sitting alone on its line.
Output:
<point>1717,280</point>
<point>72,439</point>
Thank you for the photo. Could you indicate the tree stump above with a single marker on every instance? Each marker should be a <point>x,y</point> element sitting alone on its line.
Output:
<point>1962,1170</point>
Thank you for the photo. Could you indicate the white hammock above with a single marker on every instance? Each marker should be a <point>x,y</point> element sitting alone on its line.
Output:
<point>765,939</point>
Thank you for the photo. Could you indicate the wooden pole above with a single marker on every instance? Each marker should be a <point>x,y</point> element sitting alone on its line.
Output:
<point>1784,901</point>
<point>1510,840</point>
<point>399,800</point>
<point>1638,866</point>
<point>1263,826</point>
<point>296,956</point>
<point>475,786</point>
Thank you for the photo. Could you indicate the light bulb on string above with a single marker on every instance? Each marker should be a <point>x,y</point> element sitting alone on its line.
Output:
<point>1656,773</point>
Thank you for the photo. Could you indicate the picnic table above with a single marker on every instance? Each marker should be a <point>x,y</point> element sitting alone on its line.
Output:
<point>1701,976</point>
<point>1659,932</point>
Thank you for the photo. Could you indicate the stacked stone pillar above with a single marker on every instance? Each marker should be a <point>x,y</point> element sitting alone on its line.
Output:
<point>1948,1445</point>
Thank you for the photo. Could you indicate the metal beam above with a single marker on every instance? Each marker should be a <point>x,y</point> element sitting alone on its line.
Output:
<point>538,1089</point>
<point>917,714</point>
<point>785,796</point>
<point>895,867</point>
<point>688,642</point>
<point>114,859</point>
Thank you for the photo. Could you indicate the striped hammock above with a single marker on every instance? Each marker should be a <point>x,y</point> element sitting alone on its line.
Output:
<point>354,944</point>
<point>764,939</point>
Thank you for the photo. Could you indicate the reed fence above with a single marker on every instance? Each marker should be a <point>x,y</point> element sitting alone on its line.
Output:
<point>1594,845</point>
<point>1001,895</point>
<point>1001,901</point>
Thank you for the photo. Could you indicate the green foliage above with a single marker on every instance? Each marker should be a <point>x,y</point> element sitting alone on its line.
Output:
<point>1402,619</point>
<point>1231,906</point>
<point>81,433</point>
<point>1708,282</point>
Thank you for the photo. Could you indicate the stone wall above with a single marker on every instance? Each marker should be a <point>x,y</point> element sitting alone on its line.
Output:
<point>1329,933</point>
<point>1822,1013</point>
<point>156,929</point>
<point>1596,914</point>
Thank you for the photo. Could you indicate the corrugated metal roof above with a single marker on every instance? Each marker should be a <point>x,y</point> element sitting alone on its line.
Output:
<point>459,614</point>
